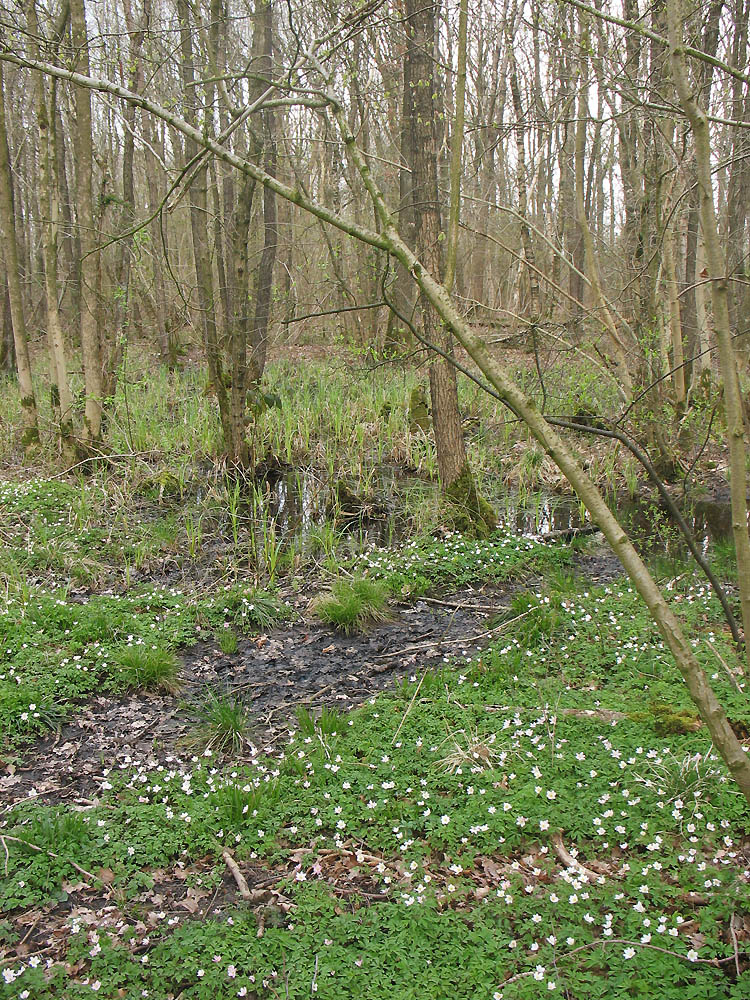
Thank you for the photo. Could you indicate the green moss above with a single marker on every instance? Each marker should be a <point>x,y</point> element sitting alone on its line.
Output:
<point>419,415</point>
<point>469,512</point>
<point>668,720</point>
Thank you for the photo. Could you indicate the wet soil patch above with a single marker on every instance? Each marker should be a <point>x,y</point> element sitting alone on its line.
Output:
<point>306,664</point>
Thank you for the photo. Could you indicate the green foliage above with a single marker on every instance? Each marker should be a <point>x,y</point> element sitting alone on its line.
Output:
<point>330,722</point>
<point>353,605</point>
<point>455,560</point>
<point>496,753</point>
<point>58,650</point>
<point>222,724</point>
<point>228,642</point>
<point>147,668</point>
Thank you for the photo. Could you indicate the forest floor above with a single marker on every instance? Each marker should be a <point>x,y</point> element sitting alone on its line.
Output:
<point>497,787</point>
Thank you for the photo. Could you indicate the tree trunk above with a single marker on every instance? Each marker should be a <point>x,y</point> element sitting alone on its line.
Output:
<point>30,434</point>
<point>716,264</point>
<point>264,275</point>
<point>455,475</point>
<point>61,396</point>
<point>83,149</point>
<point>199,232</point>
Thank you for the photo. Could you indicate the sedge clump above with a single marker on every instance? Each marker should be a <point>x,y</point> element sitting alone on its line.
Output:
<point>352,605</point>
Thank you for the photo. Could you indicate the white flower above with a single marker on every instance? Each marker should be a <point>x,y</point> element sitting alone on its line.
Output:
<point>692,955</point>
<point>628,953</point>
<point>445,820</point>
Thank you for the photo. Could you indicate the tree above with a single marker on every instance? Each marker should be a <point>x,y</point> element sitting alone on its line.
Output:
<point>83,145</point>
<point>30,435</point>
<point>456,477</point>
<point>310,78</point>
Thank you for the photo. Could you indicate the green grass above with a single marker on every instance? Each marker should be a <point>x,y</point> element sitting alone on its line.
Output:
<point>353,605</point>
<point>222,725</point>
<point>147,668</point>
<point>414,837</point>
<point>412,841</point>
<point>58,651</point>
<point>227,641</point>
<point>338,415</point>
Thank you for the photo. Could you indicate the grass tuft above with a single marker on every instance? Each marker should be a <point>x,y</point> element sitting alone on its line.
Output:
<point>353,605</point>
<point>222,725</point>
<point>148,668</point>
<point>228,642</point>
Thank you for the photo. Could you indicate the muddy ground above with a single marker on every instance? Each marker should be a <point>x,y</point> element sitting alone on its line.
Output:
<point>304,664</point>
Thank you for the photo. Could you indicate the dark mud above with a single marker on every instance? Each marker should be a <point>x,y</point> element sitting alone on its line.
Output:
<point>306,664</point>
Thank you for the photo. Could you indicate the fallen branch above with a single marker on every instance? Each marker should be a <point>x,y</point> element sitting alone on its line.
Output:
<point>41,850</point>
<point>456,642</point>
<point>724,664</point>
<point>103,458</point>
<point>463,607</point>
<point>237,875</point>
<point>715,962</point>
<point>567,858</point>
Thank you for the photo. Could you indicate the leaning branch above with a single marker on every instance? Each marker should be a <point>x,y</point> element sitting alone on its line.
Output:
<point>362,233</point>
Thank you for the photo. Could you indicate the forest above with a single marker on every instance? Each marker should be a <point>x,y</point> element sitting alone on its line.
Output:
<point>374,550</point>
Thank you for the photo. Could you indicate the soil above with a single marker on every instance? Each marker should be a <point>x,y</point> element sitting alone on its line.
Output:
<point>306,664</point>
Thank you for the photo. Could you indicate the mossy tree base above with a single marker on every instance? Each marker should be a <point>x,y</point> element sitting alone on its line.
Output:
<point>469,512</point>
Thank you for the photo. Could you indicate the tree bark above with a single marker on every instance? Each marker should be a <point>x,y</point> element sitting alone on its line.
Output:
<point>30,433</point>
<point>717,270</point>
<point>83,148</point>
<point>61,396</point>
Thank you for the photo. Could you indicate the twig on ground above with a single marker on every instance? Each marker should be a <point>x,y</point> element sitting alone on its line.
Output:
<point>444,638</point>
<point>462,607</point>
<point>567,858</point>
<point>237,875</point>
<point>609,941</point>
<point>41,850</point>
<point>409,706</point>
<point>724,664</point>
<point>103,458</point>
<point>733,932</point>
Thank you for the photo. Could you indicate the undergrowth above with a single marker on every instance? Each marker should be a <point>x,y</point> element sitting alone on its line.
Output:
<point>443,803</point>
<point>58,651</point>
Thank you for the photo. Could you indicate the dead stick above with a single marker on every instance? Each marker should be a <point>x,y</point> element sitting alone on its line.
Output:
<point>456,642</point>
<point>42,850</point>
<point>724,664</point>
<point>567,859</point>
<point>733,932</point>
<point>237,875</point>
<point>462,607</point>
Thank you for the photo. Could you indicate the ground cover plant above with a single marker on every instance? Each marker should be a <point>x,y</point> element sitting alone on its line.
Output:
<point>518,824</point>
<point>546,817</point>
<point>58,650</point>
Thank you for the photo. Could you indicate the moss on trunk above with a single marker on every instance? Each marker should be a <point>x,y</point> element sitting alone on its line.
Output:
<point>469,512</point>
